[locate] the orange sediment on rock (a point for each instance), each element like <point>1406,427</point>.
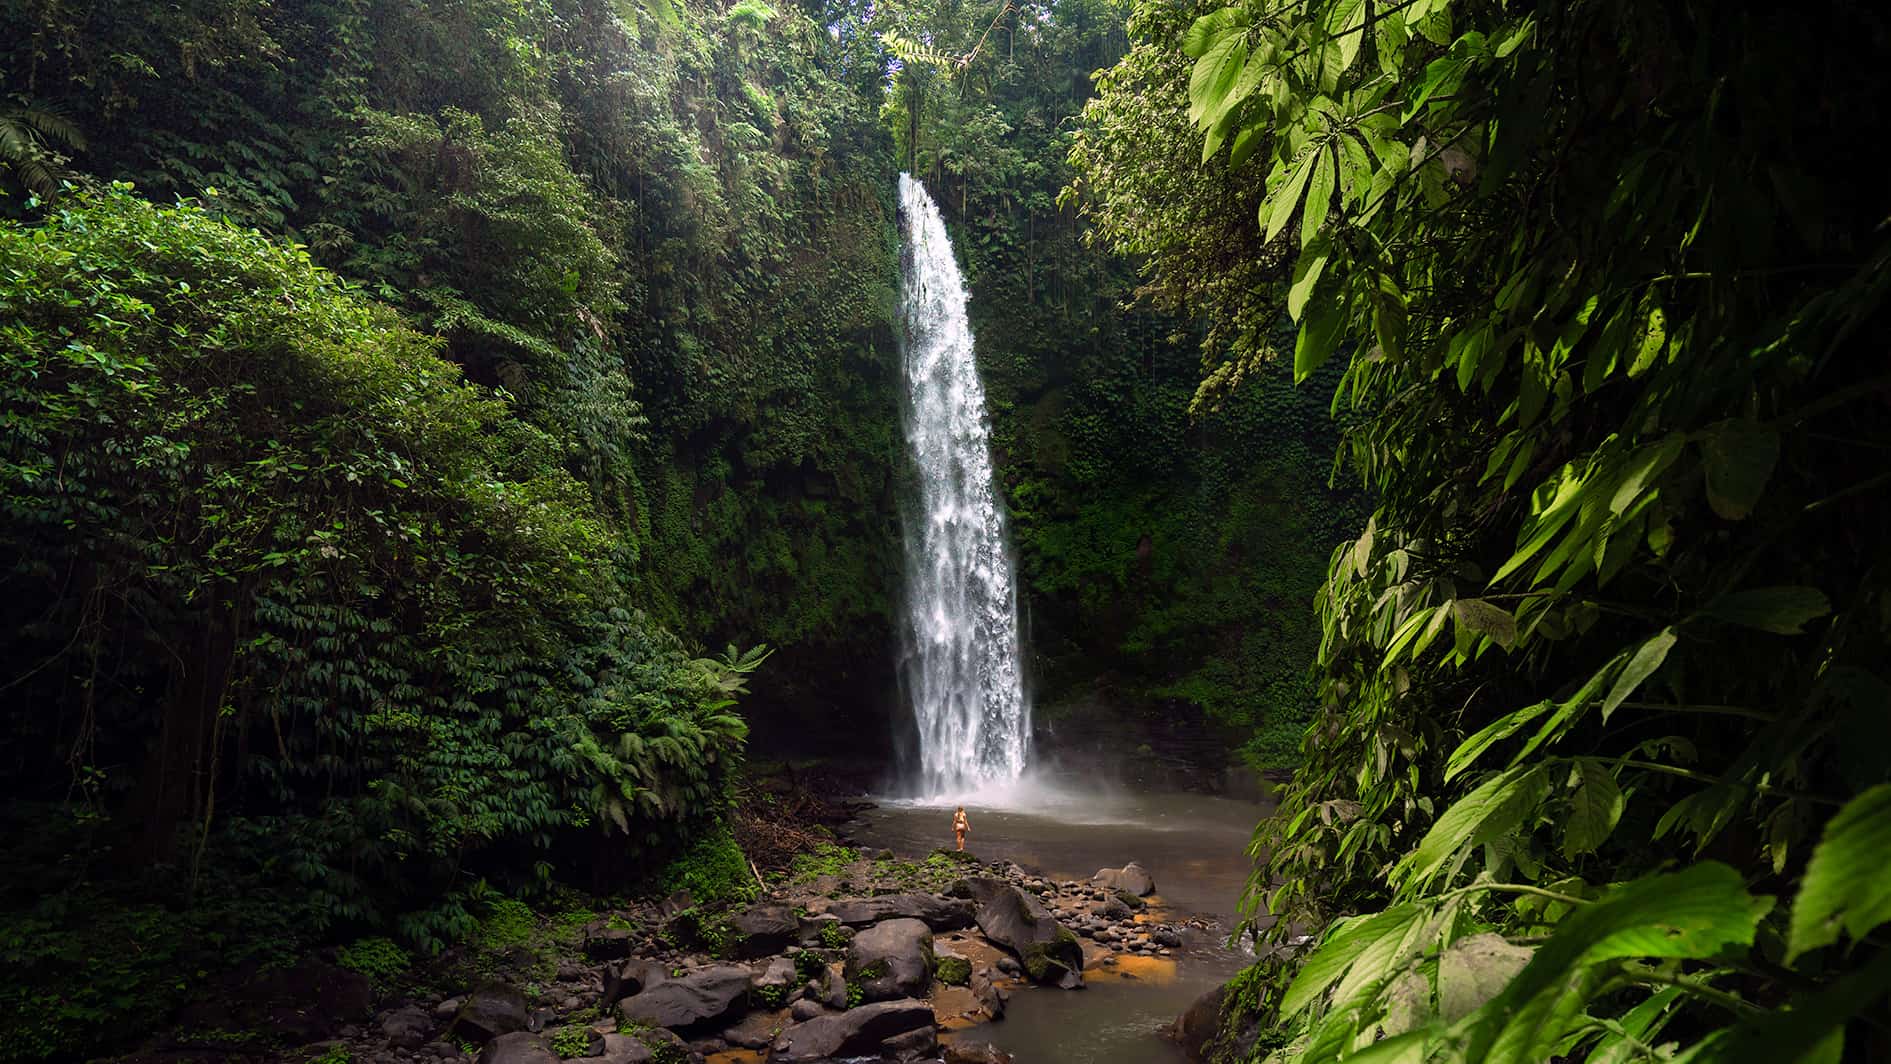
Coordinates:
<point>736,1056</point>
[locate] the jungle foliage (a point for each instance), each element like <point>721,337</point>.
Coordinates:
<point>664,230</point>
<point>292,603</point>
<point>1599,768</point>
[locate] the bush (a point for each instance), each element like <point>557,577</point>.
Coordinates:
<point>377,958</point>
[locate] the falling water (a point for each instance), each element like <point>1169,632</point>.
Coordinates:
<point>961,670</point>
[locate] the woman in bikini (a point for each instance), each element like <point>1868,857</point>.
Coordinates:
<point>960,826</point>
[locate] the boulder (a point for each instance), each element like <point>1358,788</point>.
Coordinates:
<point>1194,1029</point>
<point>408,1028</point>
<point>989,995</point>
<point>774,983</point>
<point>675,904</point>
<point>975,1053</point>
<point>855,1032</point>
<point>1132,878</point>
<point>814,929</point>
<point>605,943</point>
<point>921,1043</point>
<point>620,1049</point>
<point>710,997</point>
<point>762,930</point>
<point>631,977</point>
<point>487,1013</point>
<point>757,1030</point>
<point>805,1009</point>
<point>1019,922</point>
<point>940,914</point>
<point>518,1047</point>
<point>891,960</point>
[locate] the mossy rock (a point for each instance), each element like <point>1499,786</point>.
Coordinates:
<point>952,971</point>
<point>1058,961</point>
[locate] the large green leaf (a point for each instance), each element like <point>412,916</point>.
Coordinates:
<point>1496,807</point>
<point>1474,970</point>
<point>1319,198</point>
<point>1738,460</point>
<point>1307,270</point>
<point>1319,334</point>
<point>1215,76</point>
<point>1693,913</point>
<point>1496,731</point>
<point>1343,945</point>
<point>1276,211</point>
<point>1845,886</point>
<point>1784,610</point>
<point>1648,657</point>
<point>1594,808</point>
<point>1486,618</point>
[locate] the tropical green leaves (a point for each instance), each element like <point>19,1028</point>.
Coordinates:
<point>1619,589</point>
<point>1845,888</point>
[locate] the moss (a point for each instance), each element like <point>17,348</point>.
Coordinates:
<point>571,1040</point>
<point>952,971</point>
<point>1038,957</point>
<point>377,958</point>
<point>714,870</point>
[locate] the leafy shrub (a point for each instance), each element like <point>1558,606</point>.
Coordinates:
<point>713,870</point>
<point>571,1040</point>
<point>377,958</point>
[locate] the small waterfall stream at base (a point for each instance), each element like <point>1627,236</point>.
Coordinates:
<point>961,668</point>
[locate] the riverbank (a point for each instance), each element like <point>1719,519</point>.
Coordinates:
<point>875,944</point>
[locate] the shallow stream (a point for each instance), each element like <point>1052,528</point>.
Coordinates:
<point>1192,844</point>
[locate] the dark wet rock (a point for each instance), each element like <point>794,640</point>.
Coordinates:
<point>1115,908</point>
<point>1010,967</point>
<point>489,1012</point>
<point>975,1053</point>
<point>891,960</point>
<point>1132,878</point>
<point>307,1003</point>
<point>408,1028</point>
<point>774,985</point>
<point>448,1009</point>
<point>805,1009</point>
<point>675,904</point>
<point>758,1029</point>
<point>917,1044</point>
<point>518,1047</point>
<point>622,1049</point>
<point>631,977</point>
<point>813,928</point>
<point>1194,1029</point>
<point>990,996</point>
<point>1165,936</point>
<point>605,943</point>
<point>711,996</point>
<point>834,987</point>
<point>1019,922</point>
<point>855,1032</point>
<point>762,930</point>
<point>940,914</point>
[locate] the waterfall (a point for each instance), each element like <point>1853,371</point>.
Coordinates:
<point>961,669</point>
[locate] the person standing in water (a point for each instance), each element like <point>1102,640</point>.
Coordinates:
<point>960,826</point>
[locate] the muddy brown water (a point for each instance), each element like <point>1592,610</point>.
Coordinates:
<point>1193,845</point>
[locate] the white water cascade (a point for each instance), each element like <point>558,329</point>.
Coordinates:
<point>961,669</point>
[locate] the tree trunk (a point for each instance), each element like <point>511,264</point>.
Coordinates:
<point>175,780</point>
